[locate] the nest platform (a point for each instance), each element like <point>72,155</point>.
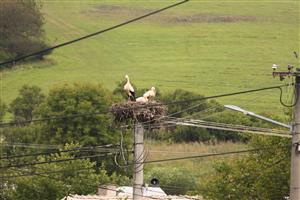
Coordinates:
<point>138,112</point>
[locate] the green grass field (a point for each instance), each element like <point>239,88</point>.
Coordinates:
<point>199,168</point>
<point>209,47</point>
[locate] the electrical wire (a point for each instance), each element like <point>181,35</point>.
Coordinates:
<point>209,155</point>
<point>194,121</point>
<point>90,35</point>
<point>147,124</point>
<point>169,115</point>
<point>47,146</point>
<point>142,106</point>
<point>51,118</point>
<point>173,122</point>
<point>286,105</point>
<point>80,149</point>
<point>53,161</point>
<point>32,145</point>
<point>45,172</point>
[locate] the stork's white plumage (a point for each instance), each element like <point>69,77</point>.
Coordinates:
<point>150,93</point>
<point>274,67</point>
<point>142,100</point>
<point>129,89</point>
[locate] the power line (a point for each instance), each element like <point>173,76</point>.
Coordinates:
<point>45,146</point>
<point>206,155</point>
<point>53,161</point>
<point>32,145</point>
<point>229,127</point>
<point>52,118</point>
<point>169,115</point>
<point>140,106</point>
<point>286,105</point>
<point>80,149</point>
<point>45,172</point>
<point>91,35</point>
<point>226,95</point>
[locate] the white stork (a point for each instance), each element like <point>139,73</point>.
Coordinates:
<point>150,93</point>
<point>142,100</point>
<point>129,89</point>
<point>274,67</point>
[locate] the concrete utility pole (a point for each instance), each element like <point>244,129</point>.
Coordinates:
<point>138,159</point>
<point>295,157</point>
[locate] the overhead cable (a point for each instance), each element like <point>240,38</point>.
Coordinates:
<point>41,52</point>
<point>139,106</point>
<point>53,161</point>
<point>43,173</point>
<point>207,155</point>
<point>79,149</point>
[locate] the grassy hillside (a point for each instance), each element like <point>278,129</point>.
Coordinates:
<point>199,169</point>
<point>209,47</point>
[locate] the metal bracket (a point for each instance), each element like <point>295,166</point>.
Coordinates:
<point>297,145</point>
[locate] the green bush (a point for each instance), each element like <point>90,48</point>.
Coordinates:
<point>79,98</point>
<point>190,134</point>
<point>173,181</point>
<point>261,175</point>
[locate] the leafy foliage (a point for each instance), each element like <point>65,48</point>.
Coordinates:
<point>172,180</point>
<point>77,99</point>
<point>3,109</point>
<point>29,99</point>
<point>182,95</point>
<point>190,134</point>
<point>262,175</point>
<point>74,177</point>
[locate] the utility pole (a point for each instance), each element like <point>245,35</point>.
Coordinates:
<point>295,156</point>
<point>138,159</point>
<point>295,130</point>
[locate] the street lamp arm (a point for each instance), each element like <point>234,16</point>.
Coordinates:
<point>236,108</point>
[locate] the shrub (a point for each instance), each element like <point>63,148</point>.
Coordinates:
<point>173,181</point>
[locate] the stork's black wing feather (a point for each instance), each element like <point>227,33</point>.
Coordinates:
<point>132,96</point>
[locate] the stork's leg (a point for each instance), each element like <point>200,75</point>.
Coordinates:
<point>131,98</point>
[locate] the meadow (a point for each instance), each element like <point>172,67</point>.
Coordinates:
<point>164,150</point>
<point>198,170</point>
<point>209,47</point>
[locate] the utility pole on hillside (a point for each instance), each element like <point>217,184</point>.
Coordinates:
<point>295,156</point>
<point>138,162</point>
<point>295,130</point>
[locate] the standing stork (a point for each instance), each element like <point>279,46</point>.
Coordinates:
<point>129,89</point>
<point>150,93</point>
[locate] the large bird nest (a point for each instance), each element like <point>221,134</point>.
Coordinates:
<point>129,111</point>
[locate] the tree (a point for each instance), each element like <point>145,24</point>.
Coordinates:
<point>182,95</point>
<point>29,99</point>
<point>2,110</point>
<point>81,99</point>
<point>20,28</point>
<point>262,175</point>
<point>174,181</point>
<point>74,177</point>
<point>190,134</point>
